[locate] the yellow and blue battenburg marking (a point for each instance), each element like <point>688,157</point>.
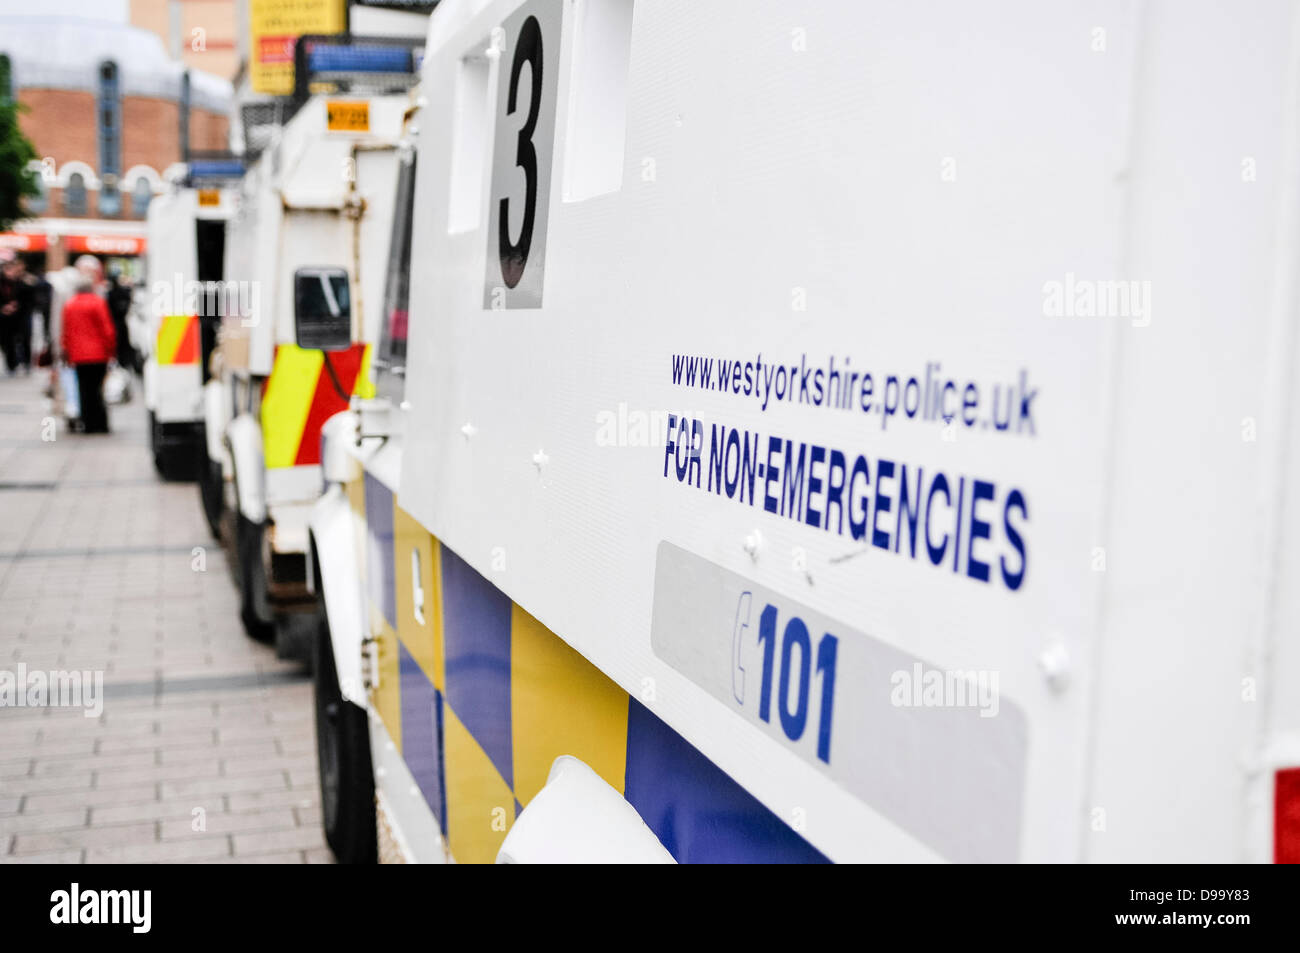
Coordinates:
<point>481,698</point>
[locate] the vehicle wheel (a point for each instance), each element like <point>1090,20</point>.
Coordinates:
<point>230,526</point>
<point>159,460</point>
<point>174,463</point>
<point>295,638</point>
<point>210,493</point>
<point>165,462</point>
<point>254,602</point>
<point>347,785</point>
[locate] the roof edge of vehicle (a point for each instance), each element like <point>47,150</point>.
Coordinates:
<point>348,57</point>
<point>203,172</point>
<point>213,170</point>
<point>326,57</point>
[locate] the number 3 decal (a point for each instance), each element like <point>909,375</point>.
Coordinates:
<point>514,256</point>
<point>521,161</point>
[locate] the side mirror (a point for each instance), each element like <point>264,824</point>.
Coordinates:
<point>322,309</point>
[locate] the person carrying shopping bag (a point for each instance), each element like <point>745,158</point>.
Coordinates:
<point>89,342</point>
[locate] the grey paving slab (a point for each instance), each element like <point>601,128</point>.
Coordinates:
<point>212,825</point>
<point>108,571</point>
<point>48,857</point>
<point>301,838</point>
<point>170,852</point>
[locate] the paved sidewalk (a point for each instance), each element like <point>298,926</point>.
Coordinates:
<point>205,747</point>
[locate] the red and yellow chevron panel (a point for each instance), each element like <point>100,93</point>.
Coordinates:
<point>178,339</point>
<point>299,397</point>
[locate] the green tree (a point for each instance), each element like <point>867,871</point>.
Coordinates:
<point>16,152</point>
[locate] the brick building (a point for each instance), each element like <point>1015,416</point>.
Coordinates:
<point>108,112</point>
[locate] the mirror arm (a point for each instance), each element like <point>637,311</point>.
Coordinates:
<point>334,377</point>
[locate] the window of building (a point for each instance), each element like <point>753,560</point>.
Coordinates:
<point>109,120</point>
<point>37,204</point>
<point>184,124</point>
<point>110,198</point>
<point>74,195</point>
<point>141,196</point>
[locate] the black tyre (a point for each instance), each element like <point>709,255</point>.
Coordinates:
<point>210,493</point>
<point>295,638</point>
<point>155,447</point>
<point>172,465</point>
<point>175,462</point>
<point>347,785</point>
<point>229,527</point>
<point>254,601</point>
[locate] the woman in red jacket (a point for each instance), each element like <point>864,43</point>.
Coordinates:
<point>89,342</point>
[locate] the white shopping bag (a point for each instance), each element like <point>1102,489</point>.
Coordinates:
<point>39,343</point>
<point>117,385</point>
<point>71,396</point>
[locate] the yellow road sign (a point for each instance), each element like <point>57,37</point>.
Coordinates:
<point>274,25</point>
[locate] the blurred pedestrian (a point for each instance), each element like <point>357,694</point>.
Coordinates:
<point>89,342</point>
<point>16,296</point>
<point>42,301</point>
<point>8,305</point>
<point>92,268</point>
<point>119,305</point>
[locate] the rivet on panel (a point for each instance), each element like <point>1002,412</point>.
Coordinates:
<point>1055,663</point>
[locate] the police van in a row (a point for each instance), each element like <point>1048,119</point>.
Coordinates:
<point>186,252</point>
<point>308,232</point>
<point>810,432</point>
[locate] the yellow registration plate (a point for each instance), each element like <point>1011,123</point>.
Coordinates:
<point>347,117</point>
